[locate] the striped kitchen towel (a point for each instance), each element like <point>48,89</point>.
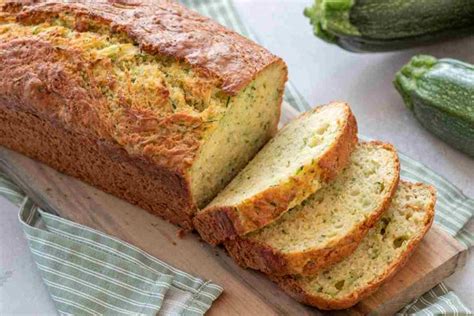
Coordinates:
<point>453,208</point>
<point>88,272</point>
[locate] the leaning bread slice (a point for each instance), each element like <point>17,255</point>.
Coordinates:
<point>330,224</point>
<point>384,250</point>
<point>307,152</point>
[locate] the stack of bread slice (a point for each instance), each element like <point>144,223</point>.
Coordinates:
<point>323,215</point>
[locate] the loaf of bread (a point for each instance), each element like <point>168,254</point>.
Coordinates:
<point>307,152</point>
<point>330,224</point>
<point>150,102</point>
<point>382,253</point>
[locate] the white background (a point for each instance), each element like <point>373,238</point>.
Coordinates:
<point>322,73</point>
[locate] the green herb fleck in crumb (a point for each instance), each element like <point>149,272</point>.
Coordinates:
<point>300,169</point>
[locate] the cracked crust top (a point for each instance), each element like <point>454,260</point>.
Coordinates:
<point>164,27</point>
<point>59,83</point>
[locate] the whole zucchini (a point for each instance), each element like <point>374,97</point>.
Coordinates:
<point>441,95</point>
<point>385,25</point>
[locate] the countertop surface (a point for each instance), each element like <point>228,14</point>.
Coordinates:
<point>322,73</point>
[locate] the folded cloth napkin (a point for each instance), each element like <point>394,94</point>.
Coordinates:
<point>453,208</point>
<point>88,272</point>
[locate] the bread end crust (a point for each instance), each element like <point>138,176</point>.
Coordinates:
<point>339,155</point>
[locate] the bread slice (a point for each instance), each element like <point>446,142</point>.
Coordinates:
<point>383,252</point>
<point>330,224</point>
<point>307,152</point>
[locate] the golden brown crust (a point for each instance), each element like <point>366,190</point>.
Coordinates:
<point>39,78</point>
<point>166,28</point>
<point>251,253</point>
<point>338,157</point>
<point>99,163</point>
<point>219,223</point>
<point>292,288</point>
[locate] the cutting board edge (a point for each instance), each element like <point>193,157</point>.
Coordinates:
<point>430,280</point>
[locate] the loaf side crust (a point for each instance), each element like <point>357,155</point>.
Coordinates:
<point>251,253</point>
<point>219,223</point>
<point>104,165</point>
<point>292,288</point>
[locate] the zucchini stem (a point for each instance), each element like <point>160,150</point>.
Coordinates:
<point>331,18</point>
<point>406,78</point>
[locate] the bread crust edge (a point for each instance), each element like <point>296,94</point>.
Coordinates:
<point>99,163</point>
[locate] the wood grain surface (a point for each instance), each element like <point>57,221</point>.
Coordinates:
<point>246,292</point>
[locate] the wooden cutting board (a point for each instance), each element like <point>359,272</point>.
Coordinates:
<point>246,292</point>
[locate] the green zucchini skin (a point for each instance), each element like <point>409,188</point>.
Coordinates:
<point>440,93</point>
<point>387,25</point>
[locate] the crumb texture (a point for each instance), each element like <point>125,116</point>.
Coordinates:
<point>292,152</point>
<point>341,207</point>
<point>386,244</point>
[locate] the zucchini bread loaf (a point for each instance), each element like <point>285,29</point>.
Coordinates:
<point>150,102</point>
